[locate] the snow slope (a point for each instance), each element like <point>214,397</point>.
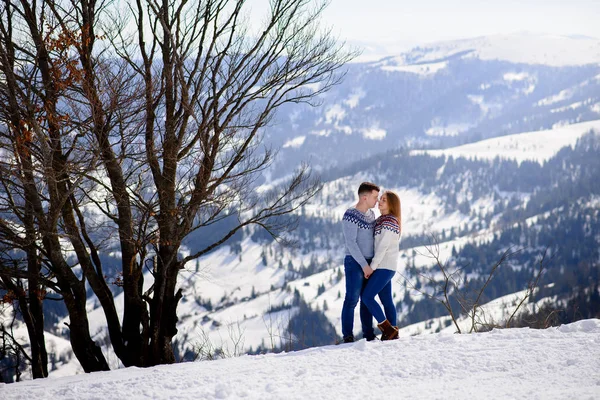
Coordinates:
<point>556,363</point>
<point>537,146</point>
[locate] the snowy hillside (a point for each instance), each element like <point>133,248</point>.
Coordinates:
<point>556,363</point>
<point>537,146</point>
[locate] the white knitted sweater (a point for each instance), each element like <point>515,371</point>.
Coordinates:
<point>387,242</point>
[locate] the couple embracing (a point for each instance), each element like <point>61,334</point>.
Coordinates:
<point>372,248</point>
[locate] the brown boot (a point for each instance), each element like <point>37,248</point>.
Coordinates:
<point>389,332</point>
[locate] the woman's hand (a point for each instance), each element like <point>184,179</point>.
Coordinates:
<point>368,271</point>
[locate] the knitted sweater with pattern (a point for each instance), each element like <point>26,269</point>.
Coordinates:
<point>387,240</point>
<point>358,234</point>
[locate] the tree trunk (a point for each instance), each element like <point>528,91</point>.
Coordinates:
<point>164,307</point>
<point>35,325</point>
<point>135,315</point>
<point>39,355</point>
<point>34,320</point>
<point>88,353</point>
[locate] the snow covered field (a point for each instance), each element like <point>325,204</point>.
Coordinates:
<point>556,363</point>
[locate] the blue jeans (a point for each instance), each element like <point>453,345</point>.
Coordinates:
<point>380,283</point>
<point>355,283</point>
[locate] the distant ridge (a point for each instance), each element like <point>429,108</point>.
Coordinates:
<point>522,47</point>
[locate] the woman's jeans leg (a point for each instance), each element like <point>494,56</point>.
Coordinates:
<point>355,282</point>
<point>380,280</point>
<point>385,296</point>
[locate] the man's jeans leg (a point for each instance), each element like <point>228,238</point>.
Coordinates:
<point>366,318</point>
<point>354,284</point>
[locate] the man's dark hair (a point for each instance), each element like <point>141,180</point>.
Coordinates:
<point>367,187</point>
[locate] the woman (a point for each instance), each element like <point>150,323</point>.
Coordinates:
<point>387,238</point>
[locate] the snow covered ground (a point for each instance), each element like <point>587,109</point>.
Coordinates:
<point>556,363</point>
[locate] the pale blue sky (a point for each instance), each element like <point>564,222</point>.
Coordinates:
<point>420,21</point>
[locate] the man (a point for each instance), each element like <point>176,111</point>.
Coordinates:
<point>358,224</point>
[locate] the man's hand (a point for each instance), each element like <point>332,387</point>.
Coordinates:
<point>368,271</point>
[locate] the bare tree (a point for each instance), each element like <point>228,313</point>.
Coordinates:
<point>532,285</point>
<point>442,289</point>
<point>152,114</point>
<point>470,298</point>
<point>41,150</point>
<point>448,285</point>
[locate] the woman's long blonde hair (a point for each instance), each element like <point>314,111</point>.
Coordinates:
<point>394,206</point>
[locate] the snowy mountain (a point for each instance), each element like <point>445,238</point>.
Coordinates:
<point>487,153</point>
<point>510,363</point>
<point>445,94</point>
<point>518,48</point>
